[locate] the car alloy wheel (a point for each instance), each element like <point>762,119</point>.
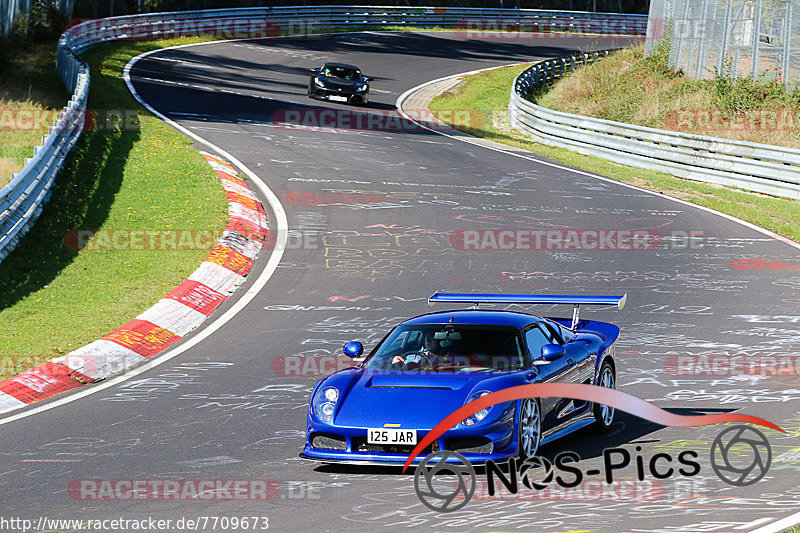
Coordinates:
<point>530,427</point>
<point>603,414</point>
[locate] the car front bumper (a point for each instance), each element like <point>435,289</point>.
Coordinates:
<point>331,456</point>
<point>318,92</point>
<point>497,441</point>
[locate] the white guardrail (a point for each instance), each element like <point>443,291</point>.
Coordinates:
<point>21,200</point>
<point>763,168</point>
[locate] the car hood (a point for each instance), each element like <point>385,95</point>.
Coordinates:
<point>416,400</point>
<point>339,82</point>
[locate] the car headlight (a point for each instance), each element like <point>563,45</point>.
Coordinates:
<point>318,83</point>
<point>361,88</point>
<point>325,403</point>
<point>480,415</point>
<point>331,394</point>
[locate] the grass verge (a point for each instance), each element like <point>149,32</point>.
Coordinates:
<point>487,94</point>
<point>54,299</point>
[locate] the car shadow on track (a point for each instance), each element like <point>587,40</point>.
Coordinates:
<point>377,117</point>
<point>447,45</point>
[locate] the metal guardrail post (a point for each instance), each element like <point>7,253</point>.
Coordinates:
<point>672,60</point>
<point>678,32</point>
<point>723,51</point>
<point>787,42</point>
<point>701,29</point>
<point>756,40</point>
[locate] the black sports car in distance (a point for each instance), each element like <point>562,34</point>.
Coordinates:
<point>339,82</point>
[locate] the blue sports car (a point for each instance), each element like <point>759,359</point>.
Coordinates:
<point>429,366</point>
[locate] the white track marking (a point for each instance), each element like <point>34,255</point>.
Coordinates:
<point>779,525</point>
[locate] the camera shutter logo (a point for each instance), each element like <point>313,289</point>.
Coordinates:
<point>728,453</point>
<point>430,496</point>
<point>530,465</point>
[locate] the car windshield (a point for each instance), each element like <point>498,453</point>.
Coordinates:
<point>341,72</point>
<point>448,348</point>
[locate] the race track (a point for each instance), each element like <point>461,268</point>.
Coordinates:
<point>370,214</point>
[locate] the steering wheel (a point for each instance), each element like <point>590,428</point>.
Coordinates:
<point>426,356</point>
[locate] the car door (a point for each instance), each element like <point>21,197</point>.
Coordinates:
<point>579,352</point>
<point>582,353</point>
<point>561,370</point>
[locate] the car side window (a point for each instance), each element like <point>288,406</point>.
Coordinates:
<point>535,338</point>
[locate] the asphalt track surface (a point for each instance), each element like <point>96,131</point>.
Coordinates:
<point>223,410</point>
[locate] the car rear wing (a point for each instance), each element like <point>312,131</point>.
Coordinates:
<point>575,300</point>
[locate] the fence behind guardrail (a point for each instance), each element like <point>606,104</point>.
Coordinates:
<point>739,37</point>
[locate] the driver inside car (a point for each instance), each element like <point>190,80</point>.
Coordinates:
<point>429,348</point>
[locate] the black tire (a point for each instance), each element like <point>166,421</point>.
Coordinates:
<point>535,434</point>
<point>604,415</point>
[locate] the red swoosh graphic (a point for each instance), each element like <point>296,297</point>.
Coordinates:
<point>590,393</point>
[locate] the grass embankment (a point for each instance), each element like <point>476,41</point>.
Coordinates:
<point>31,96</point>
<point>487,93</point>
<point>627,87</point>
<point>146,177</point>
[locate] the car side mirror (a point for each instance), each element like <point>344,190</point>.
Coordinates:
<point>314,70</point>
<point>367,78</point>
<point>353,349</point>
<point>552,352</point>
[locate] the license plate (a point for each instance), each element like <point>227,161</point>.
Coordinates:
<point>338,98</point>
<point>391,436</point>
